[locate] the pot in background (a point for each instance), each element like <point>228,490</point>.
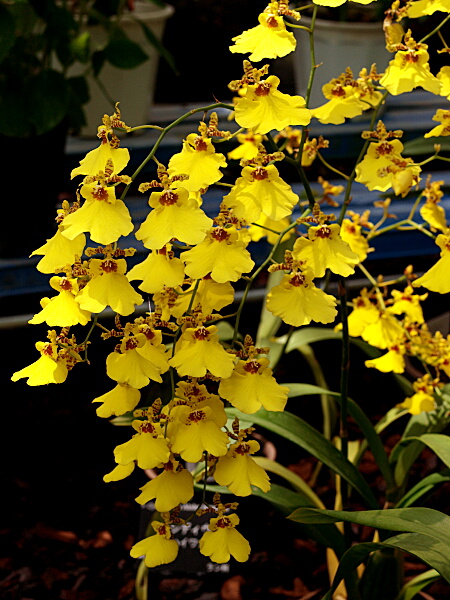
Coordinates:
<point>337,45</point>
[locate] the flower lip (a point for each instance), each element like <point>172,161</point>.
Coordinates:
<point>168,198</point>
<point>263,89</point>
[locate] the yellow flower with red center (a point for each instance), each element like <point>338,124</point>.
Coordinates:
<point>102,215</point>
<point>197,429</point>
<point>223,540</point>
<point>343,101</point>
<point>174,215</point>
<point>62,310</point>
<point>158,549</point>
<point>160,268</point>
<point>422,400</point>
<point>269,39</point>
<point>199,350</point>
<point>383,332</point>
<point>123,398</point>
<point>261,190</point>
<point>264,108</point>
<point>200,160</point>
<point>325,249</point>
<point>437,278</point>
<point>49,368</point>
<point>148,447</point>
<point>297,301</point>
<point>97,159</point>
<point>431,212</point>
<point>363,314</point>
<point>138,360</point>
<point>391,362</point>
<point>238,471</point>
<point>248,146</point>
<point>251,385</point>
<point>407,303</point>
<point>351,233</point>
<point>384,167</point>
<point>410,69</point>
<point>222,255</point>
<point>443,117</point>
<point>108,287</point>
<point>173,486</point>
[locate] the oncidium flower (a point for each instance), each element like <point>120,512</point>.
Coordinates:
<point>269,39</point>
<point>200,160</point>
<point>158,549</point>
<point>410,69</point>
<point>223,540</point>
<point>325,249</point>
<point>238,471</point>
<point>173,486</point>
<point>297,301</point>
<point>443,117</point>
<point>423,400</point>
<point>264,108</point>
<point>199,350</point>
<point>222,254</point>
<point>63,310</point>
<point>252,385</point>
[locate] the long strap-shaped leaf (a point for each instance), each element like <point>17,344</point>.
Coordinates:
<point>302,434</point>
<point>438,442</point>
<point>366,427</point>
<point>428,549</point>
<point>424,521</point>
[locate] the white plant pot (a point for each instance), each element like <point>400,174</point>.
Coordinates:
<point>337,45</point>
<point>133,88</point>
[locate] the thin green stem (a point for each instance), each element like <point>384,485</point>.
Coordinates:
<point>375,286</point>
<point>331,168</point>
<point>345,367</point>
<point>436,29</point>
<point>166,130</point>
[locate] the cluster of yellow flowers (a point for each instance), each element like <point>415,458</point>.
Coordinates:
<point>194,259</point>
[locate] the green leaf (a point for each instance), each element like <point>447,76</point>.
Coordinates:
<point>416,427</point>
<point>299,484</point>
<point>308,335</point>
<point>124,53</point>
<point>7,32</point>
<point>371,436</point>
<point>416,584</point>
<point>423,487</point>
<point>432,552</point>
<point>426,146</point>
<point>302,434</point>
<point>424,521</point>
<point>225,330</point>
<point>439,443</point>
<point>80,46</point>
